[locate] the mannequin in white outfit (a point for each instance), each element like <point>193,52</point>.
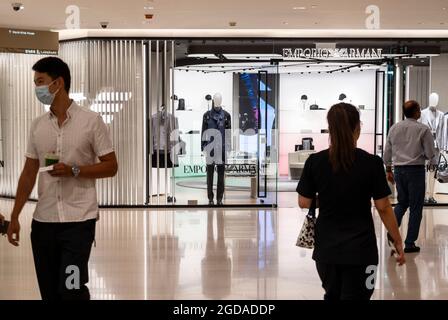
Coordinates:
<point>433,118</point>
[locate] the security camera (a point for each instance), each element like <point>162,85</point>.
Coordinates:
<point>17,6</point>
<point>104,24</point>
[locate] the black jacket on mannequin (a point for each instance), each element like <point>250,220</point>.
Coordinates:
<point>217,120</point>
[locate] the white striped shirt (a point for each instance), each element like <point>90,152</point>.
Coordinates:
<point>409,143</point>
<point>81,139</point>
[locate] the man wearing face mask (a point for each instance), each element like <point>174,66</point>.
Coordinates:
<point>63,227</point>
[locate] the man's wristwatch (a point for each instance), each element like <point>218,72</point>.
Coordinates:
<point>75,171</point>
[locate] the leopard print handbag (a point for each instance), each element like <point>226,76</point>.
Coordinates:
<point>306,235</point>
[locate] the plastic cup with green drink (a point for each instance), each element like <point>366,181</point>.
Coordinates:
<point>51,159</point>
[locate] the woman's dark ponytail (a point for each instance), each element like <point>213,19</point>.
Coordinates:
<point>343,120</point>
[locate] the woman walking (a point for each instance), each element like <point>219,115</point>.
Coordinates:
<point>343,179</point>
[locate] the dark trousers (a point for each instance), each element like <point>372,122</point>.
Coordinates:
<point>220,168</point>
<point>61,254</point>
<point>410,182</point>
<point>345,282</point>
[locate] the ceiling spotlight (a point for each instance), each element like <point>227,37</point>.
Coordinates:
<point>232,24</point>
<point>148,7</point>
<point>285,23</point>
<point>299,8</point>
<point>149,16</point>
<point>313,6</point>
<point>17,6</point>
<point>104,24</point>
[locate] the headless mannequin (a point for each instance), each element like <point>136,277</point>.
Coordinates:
<point>162,125</point>
<point>432,122</point>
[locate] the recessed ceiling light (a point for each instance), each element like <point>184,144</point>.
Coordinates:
<point>148,7</point>
<point>299,8</point>
<point>313,6</point>
<point>443,8</point>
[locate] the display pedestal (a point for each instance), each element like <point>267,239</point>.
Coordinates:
<point>253,187</point>
<point>161,190</point>
<point>296,163</point>
<point>441,188</point>
<point>430,184</point>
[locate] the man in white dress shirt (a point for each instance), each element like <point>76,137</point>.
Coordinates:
<point>63,227</point>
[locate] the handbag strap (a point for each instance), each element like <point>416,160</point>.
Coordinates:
<point>312,209</point>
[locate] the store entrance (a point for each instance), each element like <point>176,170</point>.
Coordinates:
<point>307,90</point>
<point>236,130</point>
<point>247,101</point>
<point>278,111</point>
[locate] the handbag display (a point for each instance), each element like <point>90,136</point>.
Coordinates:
<point>442,169</point>
<point>306,235</point>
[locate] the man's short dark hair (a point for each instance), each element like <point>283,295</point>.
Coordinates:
<point>410,108</point>
<point>55,68</point>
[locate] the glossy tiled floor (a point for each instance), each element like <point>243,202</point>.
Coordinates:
<point>221,254</point>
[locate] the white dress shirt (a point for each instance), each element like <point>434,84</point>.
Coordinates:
<point>434,120</point>
<point>444,139</point>
<point>81,139</point>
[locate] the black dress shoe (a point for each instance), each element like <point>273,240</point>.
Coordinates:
<point>219,203</point>
<point>412,249</point>
<point>211,203</point>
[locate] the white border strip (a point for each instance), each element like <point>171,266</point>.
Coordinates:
<point>69,34</point>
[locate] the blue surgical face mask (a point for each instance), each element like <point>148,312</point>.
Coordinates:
<point>44,95</point>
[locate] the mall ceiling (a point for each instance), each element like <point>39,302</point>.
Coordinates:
<point>213,14</point>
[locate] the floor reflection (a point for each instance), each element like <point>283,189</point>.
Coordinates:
<point>222,254</point>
